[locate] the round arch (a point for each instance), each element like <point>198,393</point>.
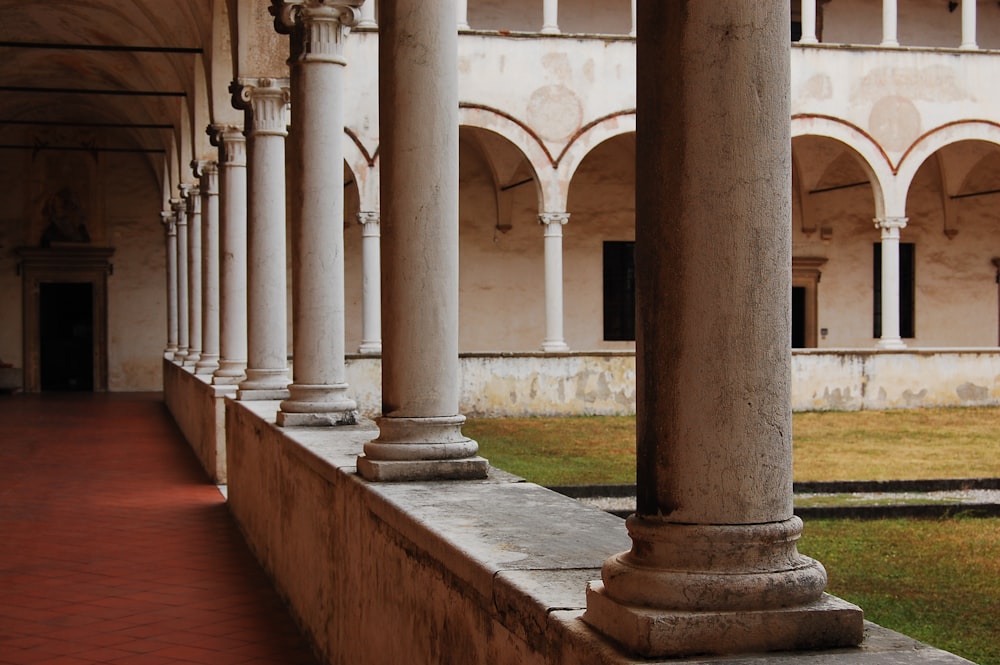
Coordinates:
<point>936,139</point>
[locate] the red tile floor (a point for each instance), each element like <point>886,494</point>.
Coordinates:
<point>115,548</point>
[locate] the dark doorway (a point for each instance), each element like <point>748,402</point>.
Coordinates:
<point>66,335</point>
<point>798,317</point>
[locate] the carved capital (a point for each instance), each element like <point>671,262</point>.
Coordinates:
<point>267,100</point>
<point>209,178</point>
<point>194,200</point>
<point>317,27</point>
<point>169,221</point>
<point>547,218</point>
<point>890,226</point>
<point>369,220</point>
<point>179,207</point>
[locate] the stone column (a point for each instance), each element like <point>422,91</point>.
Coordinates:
<point>969,25</point>
<point>462,12</point>
<point>371,287</point>
<point>267,298</point>
<point>713,566</point>
<point>554,337</point>
<point>180,214</point>
<point>367,19</point>
<point>233,257</point>
<point>550,17</point>
<point>193,196</point>
<point>170,235</point>
<point>420,431</point>
<point>208,172</point>
<point>318,393</point>
<point>890,227</point>
<point>889,17</point>
<point>808,22</point>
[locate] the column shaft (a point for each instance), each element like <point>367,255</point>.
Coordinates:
<point>233,258</point>
<point>183,330</point>
<point>367,19</point>
<point>462,14</point>
<point>193,196</point>
<point>420,431</point>
<point>550,17</point>
<point>969,25</point>
<point>209,360</point>
<point>267,298</point>
<point>808,22</point>
<point>714,532</point>
<point>890,227</point>
<point>371,284</point>
<point>170,235</point>
<point>318,393</point>
<point>889,18</point>
<point>553,223</point>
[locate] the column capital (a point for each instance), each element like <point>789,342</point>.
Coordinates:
<point>267,99</point>
<point>179,207</point>
<point>208,173</point>
<point>370,221</point>
<point>169,221</point>
<point>193,200</point>
<point>317,27</point>
<point>547,218</point>
<point>890,226</point>
<point>232,143</point>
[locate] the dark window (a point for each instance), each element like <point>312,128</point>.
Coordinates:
<point>619,291</point>
<point>906,289</point>
<point>796,31</point>
<point>798,317</point>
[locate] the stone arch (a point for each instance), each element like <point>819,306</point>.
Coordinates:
<point>592,135</point>
<point>873,158</point>
<point>936,139</point>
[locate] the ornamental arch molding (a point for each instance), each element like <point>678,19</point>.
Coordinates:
<point>936,139</point>
<point>873,159</point>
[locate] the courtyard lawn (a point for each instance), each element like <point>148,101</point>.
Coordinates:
<point>937,581</point>
<point>859,445</point>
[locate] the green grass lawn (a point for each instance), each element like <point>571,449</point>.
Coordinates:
<point>937,581</point>
<point>859,445</point>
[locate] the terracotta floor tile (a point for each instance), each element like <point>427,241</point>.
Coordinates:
<point>117,549</point>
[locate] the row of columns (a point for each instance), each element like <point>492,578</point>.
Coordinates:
<point>890,16</point>
<point>714,566</point>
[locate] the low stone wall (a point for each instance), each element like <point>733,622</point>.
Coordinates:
<point>491,571</point>
<point>198,408</point>
<point>603,383</point>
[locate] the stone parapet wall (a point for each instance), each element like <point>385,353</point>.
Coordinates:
<point>603,383</point>
<point>198,408</point>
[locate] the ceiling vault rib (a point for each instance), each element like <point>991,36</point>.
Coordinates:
<point>76,148</point>
<point>92,91</point>
<point>103,125</point>
<point>103,47</point>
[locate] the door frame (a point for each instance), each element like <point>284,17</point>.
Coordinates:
<point>69,263</point>
<point>806,273</point>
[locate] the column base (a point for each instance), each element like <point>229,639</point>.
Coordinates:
<point>470,468</point>
<point>555,346</point>
<point>429,448</point>
<point>825,623</point>
<point>370,348</point>
<point>207,364</point>
<point>191,359</point>
<point>263,384</point>
<point>890,343</point>
<point>317,406</point>
<point>230,373</point>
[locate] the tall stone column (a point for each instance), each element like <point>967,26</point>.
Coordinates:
<point>233,257</point>
<point>208,172</point>
<point>550,17</point>
<point>889,19</point>
<point>193,196</point>
<point>420,431</point>
<point>318,393</point>
<point>371,284</point>
<point>890,227</point>
<point>170,236</point>
<point>808,22</point>
<point>969,25</point>
<point>267,298</point>
<point>553,222</point>
<point>180,214</point>
<point>713,566</point>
